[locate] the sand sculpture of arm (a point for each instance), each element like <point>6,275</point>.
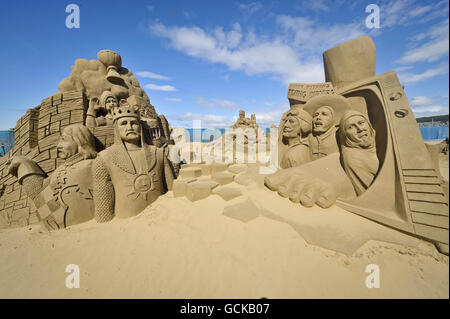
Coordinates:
<point>103,192</point>
<point>91,114</point>
<point>29,175</point>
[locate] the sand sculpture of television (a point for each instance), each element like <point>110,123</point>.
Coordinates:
<point>98,135</point>
<point>353,141</point>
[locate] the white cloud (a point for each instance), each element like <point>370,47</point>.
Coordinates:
<point>426,106</point>
<point>431,110</point>
<point>207,120</point>
<point>411,77</point>
<point>251,7</point>
<point>430,51</point>
<point>267,117</point>
<point>290,57</point>
<point>406,12</point>
<point>314,38</point>
<point>151,75</point>
<point>435,48</point>
<point>216,103</point>
<point>173,99</point>
<point>419,101</point>
<point>167,88</point>
<point>316,5</point>
<point>403,68</point>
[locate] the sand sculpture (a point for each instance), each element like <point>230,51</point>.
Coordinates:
<point>348,142</point>
<point>245,122</point>
<point>358,150</point>
<point>295,128</point>
<point>129,175</point>
<point>48,176</point>
<point>64,198</point>
<point>365,145</point>
<point>245,128</point>
<point>99,112</point>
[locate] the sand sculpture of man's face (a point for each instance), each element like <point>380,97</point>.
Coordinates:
<point>129,129</point>
<point>357,129</point>
<point>323,120</point>
<point>66,147</point>
<point>110,103</point>
<point>292,127</point>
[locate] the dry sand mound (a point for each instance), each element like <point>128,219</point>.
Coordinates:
<point>253,245</point>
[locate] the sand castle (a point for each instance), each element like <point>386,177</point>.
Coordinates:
<point>49,176</point>
<point>347,142</point>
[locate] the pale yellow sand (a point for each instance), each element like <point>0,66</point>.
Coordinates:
<point>179,249</point>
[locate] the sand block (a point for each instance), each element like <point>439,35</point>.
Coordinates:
<point>243,179</point>
<point>226,192</point>
<point>242,209</point>
<point>218,167</point>
<point>237,168</point>
<point>190,172</point>
<point>179,187</point>
<point>199,190</point>
<point>206,169</point>
<point>222,177</point>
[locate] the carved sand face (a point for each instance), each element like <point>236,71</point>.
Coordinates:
<point>292,127</point>
<point>357,130</point>
<point>66,147</point>
<point>129,129</point>
<point>110,103</point>
<point>322,120</point>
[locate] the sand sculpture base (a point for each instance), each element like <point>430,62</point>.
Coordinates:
<point>239,241</point>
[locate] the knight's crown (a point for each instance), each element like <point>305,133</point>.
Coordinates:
<point>125,110</point>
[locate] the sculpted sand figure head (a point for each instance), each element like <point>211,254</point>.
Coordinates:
<point>129,129</point>
<point>75,139</point>
<point>108,101</point>
<point>357,131</point>
<point>358,149</point>
<point>323,119</point>
<point>298,124</point>
<point>127,124</point>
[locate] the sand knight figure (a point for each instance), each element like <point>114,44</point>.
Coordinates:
<point>129,175</point>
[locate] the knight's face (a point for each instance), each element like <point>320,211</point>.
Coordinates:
<point>322,120</point>
<point>110,103</point>
<point>129,129</point>
<point>292,127</point>
<point>66,147</point>
<point>357,130</point>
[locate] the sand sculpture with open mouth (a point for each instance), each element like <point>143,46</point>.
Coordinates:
<point>347,142</point>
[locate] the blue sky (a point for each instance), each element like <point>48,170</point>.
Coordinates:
<point>208,59</point>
